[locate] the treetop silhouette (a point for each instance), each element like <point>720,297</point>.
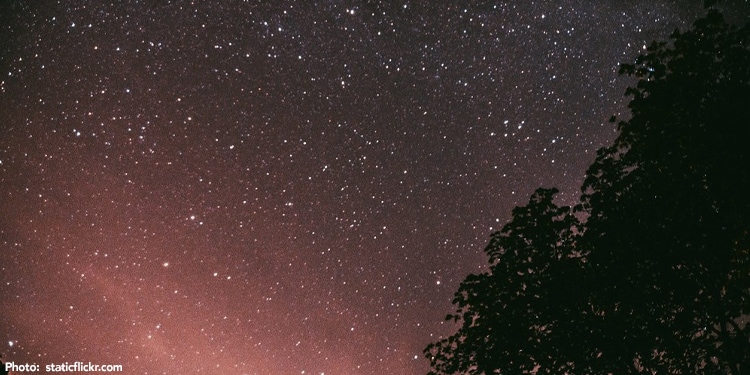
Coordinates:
<point>651,271</point>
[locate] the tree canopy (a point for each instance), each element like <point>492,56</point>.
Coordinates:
<point>650,273</point>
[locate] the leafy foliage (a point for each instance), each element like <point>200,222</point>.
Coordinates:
<point>656,276</point>
<point>519,304</point>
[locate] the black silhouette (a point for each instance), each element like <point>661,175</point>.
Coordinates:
<point>650,273</point>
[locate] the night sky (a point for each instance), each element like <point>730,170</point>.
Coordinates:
<point>240,188</point>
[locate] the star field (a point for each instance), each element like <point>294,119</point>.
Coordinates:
<point>286,187</point>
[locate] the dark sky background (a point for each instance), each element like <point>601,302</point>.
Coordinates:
<point>286,187</point>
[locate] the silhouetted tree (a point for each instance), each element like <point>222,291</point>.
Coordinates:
<point>511,314</point>
<point>655,277</point>
<point>668,206</point>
